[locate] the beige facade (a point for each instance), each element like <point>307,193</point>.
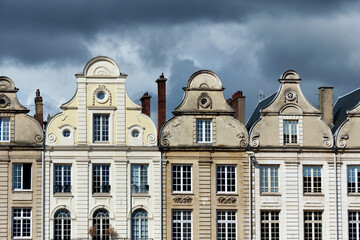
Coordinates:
<point>293,167</point>
<point>20,166</point>
<point>204,165</point>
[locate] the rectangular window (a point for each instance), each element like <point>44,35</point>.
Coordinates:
<point>312,225</point>
<point>22,176</point>
<point>181,178</point>
<point>4,129</point>
<point>139,176</point>
<point>226,225</point>
<point>225,179</point>
<point>101,178</point>
<point>62,178</point>
<point>270,225</point>
<point>203,131</point>
<point>290,131</point>
<point>312,179</point>
<point>21,223</point>
<point>181,225</point>
<point>101,128</point>
<point>354,179</point>
<point>269,179</point>
<point>354,225</point>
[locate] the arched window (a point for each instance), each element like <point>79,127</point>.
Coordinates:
<point>101,223</point>
<point>62,225</point>
<point>140,224</point>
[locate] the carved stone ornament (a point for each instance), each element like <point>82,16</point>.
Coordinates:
<point>38,138</point>
<point>101,71</point>
<point>204,101</point>
<point>342,142</point>
<point>328,143</point>
<point>106,95</point>
<point>4,101</point>
<point>151,138</point>
<point>243,142</point>
<point>290,95</point>
<point>165,139</point>
<point>183,199</point>
<point>51,137</point>
<point>227,200</point>
<point>255,140</point>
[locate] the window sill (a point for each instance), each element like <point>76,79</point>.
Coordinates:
<point>353,194</point>
<point>101,195</point>
<point>182,193</point>
<point>227,194</point>
<point>63,195</point>
<point>22,191</point>
<point>141,194</point>
<point>270,194</point>
<point>313,194</point>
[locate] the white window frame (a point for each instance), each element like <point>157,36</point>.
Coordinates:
<point>62,176</point>
<point>21,218</point>
<point>182,222</point>
<point>21,177</point>
<point>138,223</point>
<point>270,188</point>
<point>312,228</point>
<point>140,186</point>
<point>101,176</point>
<point>356,171</point>
<point>4,135</point>
<point>181,178</point>
<point>228,224</point>
<point>312,177</point>
<point>226,178</point>
<point>356,222</point>
<point>65,216</point>
<point>201,138</point>
<point>270,224</point>
<point>111,125</point>
<point>291,129</point>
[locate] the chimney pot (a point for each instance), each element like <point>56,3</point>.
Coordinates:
<point>237,102</point>
<point>39,108</point>
<point>145,103</point>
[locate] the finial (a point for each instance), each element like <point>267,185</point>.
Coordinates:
<point>162,75</point>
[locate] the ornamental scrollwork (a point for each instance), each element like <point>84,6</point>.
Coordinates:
<point>290,95</point>
<point>151,138</point>
<point>255,142</point>
<point>165,139</point>
<point>4,101</point>
<point>38,138</point>
<point>343,142</point>
<point>243,142</point>
<point>328,143</point>
<point>51,138</point>
<point>183,199</point>
<point>204,101</point>
<point>227,200</point>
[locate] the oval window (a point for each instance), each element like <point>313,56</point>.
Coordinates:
<point>135,133</point>
<point>66,133</point>
<point>100,95</point>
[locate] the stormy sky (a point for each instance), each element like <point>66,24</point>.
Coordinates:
<point>249,44</point>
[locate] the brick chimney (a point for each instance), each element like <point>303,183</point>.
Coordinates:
<point>145,103</point>
<point>326,102</point>
<point>237,102</point>
<point>39,108</point>
<point>161,82</point>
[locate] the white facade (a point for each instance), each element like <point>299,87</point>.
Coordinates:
<point>103,138</point>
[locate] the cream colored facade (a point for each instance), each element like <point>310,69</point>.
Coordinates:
<point>20,150</point>
<point>292,146</point>
<point>193,155</point>
<point>101,127</point>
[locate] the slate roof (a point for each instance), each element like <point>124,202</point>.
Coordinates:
<point>342,105</point>
<point>256,114</point>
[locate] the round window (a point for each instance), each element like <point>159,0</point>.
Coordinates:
<point>135,133</point>
<point>66,133</point>
<point>2,101</point>
<point>100,95</point>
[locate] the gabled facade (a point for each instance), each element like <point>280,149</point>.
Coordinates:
<point>204,166</point>
<point>348,153</point>
<point>293,166</point>
<point>102,163</point>
<point>21,141</point>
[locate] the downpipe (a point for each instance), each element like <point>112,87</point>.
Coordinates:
<point>250,155</point>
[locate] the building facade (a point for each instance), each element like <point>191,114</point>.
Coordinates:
<point>293,169</point>
<point>102,173</point>
<point>204,166</point>
<point>21,141</point>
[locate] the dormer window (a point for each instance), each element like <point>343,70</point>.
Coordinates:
<point>290,132</point>
<point>101,128</point>
<point>4,129</point>
<point>203,131</point>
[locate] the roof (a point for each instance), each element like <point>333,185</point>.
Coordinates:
<point>343,105</point>
<point>256,114</point>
